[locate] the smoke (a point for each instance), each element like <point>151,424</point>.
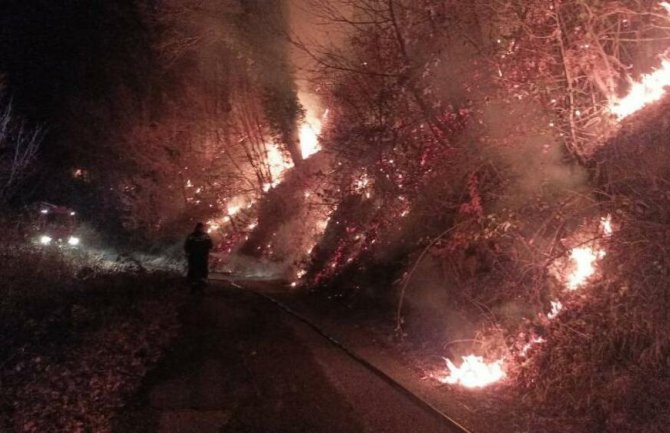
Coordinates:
<point>313,31</point>
<point>210,42</point>
<point>264,28</point>
<point>510,135</point>
<point>520,144</point>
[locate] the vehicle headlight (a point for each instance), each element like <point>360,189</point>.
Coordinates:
<point>45,240</point>
<point>74,241</point>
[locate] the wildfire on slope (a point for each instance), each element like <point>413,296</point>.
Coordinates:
<point>575,272</point>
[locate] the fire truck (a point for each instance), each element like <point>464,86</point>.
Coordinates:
<point>55,225</point>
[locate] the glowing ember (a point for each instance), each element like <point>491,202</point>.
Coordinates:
<point>363,185</point>
<point>474,372</point>
<point>584,259</point>
<point>649,89</point>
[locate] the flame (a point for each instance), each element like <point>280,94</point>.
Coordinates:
<point>232,210</point>
<point>309,138</point>
<point>277,163</point>
<point>310,129</point>
<point>649,89</point>
<point>606,225</point>
<point>237,203</point>
<point>474,372</point>
<point>556,307</point>
<point>584,259</point>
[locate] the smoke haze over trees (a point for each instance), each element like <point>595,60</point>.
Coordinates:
<point>459,166</point>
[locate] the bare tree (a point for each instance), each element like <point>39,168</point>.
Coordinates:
<point>18,148</point>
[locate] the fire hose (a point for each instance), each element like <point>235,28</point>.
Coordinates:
<point>427,406</point>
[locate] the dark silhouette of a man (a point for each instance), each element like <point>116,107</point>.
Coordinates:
<point>197,247</point>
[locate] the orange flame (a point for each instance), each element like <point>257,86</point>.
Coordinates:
<point>649,89</point>
<point>474,372</point>
<point>584,259</point>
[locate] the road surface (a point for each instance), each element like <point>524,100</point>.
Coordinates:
<point>244,365</point>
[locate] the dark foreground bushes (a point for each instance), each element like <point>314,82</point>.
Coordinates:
<point>76,337</point>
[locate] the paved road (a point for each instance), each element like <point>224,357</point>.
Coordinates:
<point>243,365</point>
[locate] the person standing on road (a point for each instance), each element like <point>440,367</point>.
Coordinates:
<point>197,247</point>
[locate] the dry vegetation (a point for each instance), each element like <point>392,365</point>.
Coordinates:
<point>605,367</point>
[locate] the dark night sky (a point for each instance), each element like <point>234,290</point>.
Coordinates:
<point>60,57</point>
<point>52,51</point>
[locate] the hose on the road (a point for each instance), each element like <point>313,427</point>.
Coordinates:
<point>458,428</point>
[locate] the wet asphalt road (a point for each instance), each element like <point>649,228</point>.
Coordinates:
<point>243,365</point>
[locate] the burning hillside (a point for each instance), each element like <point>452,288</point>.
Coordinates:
<point>492,173</point>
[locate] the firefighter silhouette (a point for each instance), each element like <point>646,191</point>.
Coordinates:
<point>197,247</point>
